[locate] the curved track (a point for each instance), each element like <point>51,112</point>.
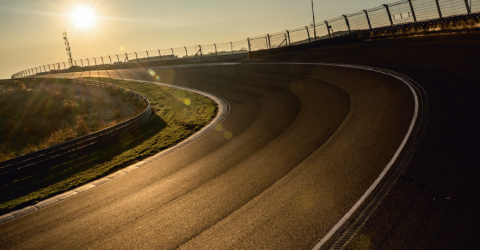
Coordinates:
<point>307,142</point>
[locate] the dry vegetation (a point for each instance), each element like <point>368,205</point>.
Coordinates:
<point>42,113</point>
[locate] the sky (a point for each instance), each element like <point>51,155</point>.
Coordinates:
<point>32,29</point>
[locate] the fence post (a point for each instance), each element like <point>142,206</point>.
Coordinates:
<point>49,67</point>
<point>186,53</point>
<point>308,33</point>
<point>328,28</point>
<point>201,53</point>
<point>231,47</point>
<point>95,60</point>
<point>136,56</point>
<point>216,54</point>
<point>173,54</point>
<point>118,59</point>
<point>286,41</point>
<point>249,46</point>
<point>289,42</point>
<point>102,60</point>
<point>160,54</point>
<point>368,19</point>
<point>388,12</point>
<point>64,65</point>
<point>126,58</point>
<point>266,42</point>
<point>438,7</point>
<point>314,29</point>
<point>44,68</point>
<point>110,59</point>
<point>148,55</point>
<point>269,43</point>
<point>348,24</point>
<point>58,64</point>
<point>469,11</point>
<point>413,12</point>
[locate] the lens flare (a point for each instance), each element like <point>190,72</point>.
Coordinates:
<point>187,101</point>
<point>228,135</point>
<point>218,127</point>
<point>157,78</point>
<point>151,72</point>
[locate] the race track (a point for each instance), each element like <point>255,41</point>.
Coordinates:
<point>307,142</point>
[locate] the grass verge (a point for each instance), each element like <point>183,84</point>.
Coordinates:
<point>177,115</point>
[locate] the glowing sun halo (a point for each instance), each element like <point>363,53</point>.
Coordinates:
<point>83,17</point>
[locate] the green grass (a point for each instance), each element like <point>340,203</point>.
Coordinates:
<point>178,114</point>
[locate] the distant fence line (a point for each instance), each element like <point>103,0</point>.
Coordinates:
<point>79,146</point>
<point>401,12</point>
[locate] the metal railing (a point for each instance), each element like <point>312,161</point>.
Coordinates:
<point>401,12</point>
<point>73,148</point>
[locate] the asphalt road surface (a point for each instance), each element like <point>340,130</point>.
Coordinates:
<point>307,142</point>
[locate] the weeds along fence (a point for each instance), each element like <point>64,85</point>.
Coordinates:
<point>392,14</point>
<point>77,147</point>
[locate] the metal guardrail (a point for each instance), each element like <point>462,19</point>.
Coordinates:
<point>401,12</point>
<point>75,147</point>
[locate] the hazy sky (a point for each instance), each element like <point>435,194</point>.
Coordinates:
<point>31,30</point>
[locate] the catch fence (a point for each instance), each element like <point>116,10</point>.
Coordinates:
<point>397,13</point>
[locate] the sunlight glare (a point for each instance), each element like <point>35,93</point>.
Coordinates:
<point>83,17</point>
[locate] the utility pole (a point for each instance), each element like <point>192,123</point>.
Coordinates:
<point>314,29</point>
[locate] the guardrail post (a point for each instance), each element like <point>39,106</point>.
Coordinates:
<point>413,12</point>
<point>469,11</point>
<point>249,46</point>
<point>231,47</point>
<point>438,8</point>
<point>216,54</point>
<point>389,16</point>
<point>328,28</point>
<point>148,55</point>
<point>368,19</point>
<point>348,25</point>
<point>288,34</point>
<point>308,33</point>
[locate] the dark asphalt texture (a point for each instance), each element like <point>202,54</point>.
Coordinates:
<point>436,202</point>
<point>307,142</point>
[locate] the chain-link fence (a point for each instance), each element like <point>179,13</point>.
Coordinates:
<point>401,12</point>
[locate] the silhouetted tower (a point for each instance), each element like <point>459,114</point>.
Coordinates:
<point>67,47</point>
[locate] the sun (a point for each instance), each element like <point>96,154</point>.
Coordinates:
<point>83,17</point>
